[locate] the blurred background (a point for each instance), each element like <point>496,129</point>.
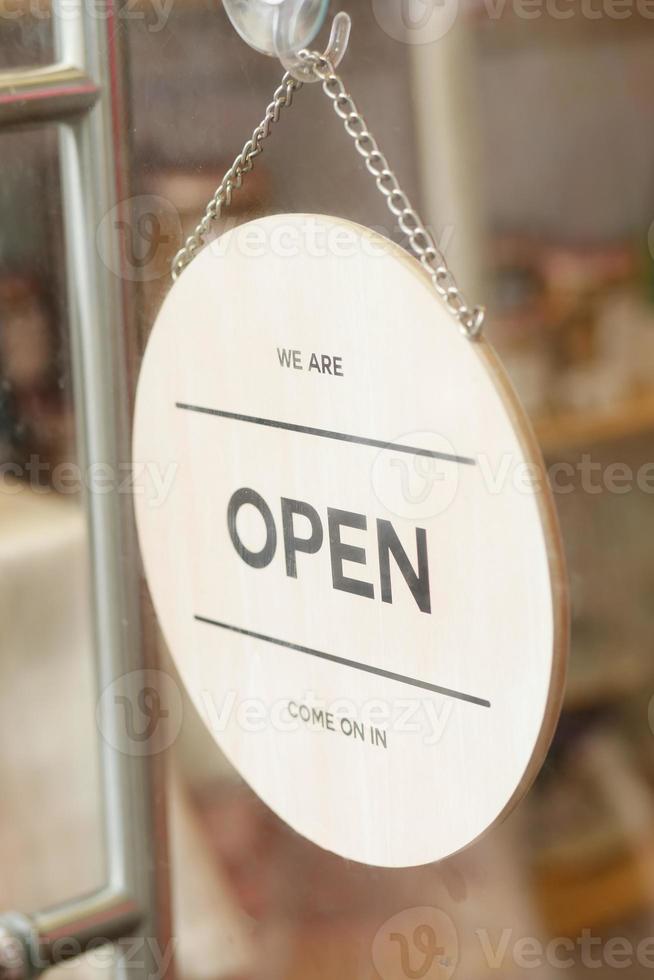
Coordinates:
<point>524,133</point>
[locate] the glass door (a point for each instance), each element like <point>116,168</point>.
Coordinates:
<point>523,133</point>
<point>523,139</point>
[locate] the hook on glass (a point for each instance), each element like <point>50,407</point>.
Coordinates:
<point>283,28</point>
<point>339,38</point>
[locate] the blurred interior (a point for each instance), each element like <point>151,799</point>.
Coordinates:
<point>528,145</point>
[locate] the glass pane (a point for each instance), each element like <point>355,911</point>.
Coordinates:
<point>51,825</point>
<point>26,35</point>
<point>527,138</point>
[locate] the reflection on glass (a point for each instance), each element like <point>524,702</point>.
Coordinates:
<point>563,119</point>
<point>26,35</point>
<point>50,807</point>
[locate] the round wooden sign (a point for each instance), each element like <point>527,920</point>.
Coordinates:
<point>355,562</point>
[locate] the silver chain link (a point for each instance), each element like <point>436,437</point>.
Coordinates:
<point>422,243</point>
<point>243,164</point>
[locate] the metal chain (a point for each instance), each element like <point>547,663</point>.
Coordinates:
<point>431,258</point>
<point>243,164</point>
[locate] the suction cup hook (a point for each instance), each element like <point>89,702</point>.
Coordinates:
<point>283,28</point>
<point>339,38</point>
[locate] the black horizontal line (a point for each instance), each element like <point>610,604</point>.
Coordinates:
<point>328,434</point>
<point>332,658</point>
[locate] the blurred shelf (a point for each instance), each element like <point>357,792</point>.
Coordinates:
<point>632,416</point>
<point>607,680</point>
<point>589,896</point>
